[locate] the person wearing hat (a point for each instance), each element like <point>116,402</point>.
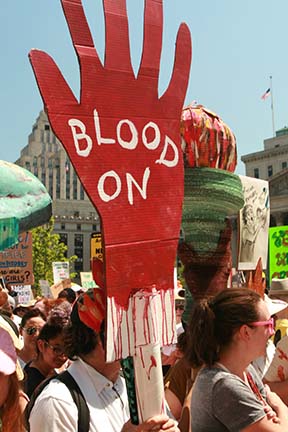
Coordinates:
<point>277,374</point>
<point>100,383</point>
<point>30,327</point>
<point>262,364</point>
<point>10,410</point>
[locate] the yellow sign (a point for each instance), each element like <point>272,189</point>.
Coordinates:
<point>96,246</point>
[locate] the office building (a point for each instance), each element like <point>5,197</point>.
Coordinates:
<point>75,216</point>
<point>272,164</point>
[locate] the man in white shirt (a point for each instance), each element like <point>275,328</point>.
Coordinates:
<point>103,389</point>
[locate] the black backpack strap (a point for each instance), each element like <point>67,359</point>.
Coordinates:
<point>79,400</point>
<point>31,403</point>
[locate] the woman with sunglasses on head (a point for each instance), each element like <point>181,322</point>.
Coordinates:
<point>50,355</point>
<point>31,324</point>
<point>226,334</point>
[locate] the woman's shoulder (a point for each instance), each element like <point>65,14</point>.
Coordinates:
<point>216,376</point>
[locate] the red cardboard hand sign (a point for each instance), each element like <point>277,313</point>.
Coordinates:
<point>124,142</point>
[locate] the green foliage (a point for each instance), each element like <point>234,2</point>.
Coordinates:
<point>180,276</point>
<point>46,249</point>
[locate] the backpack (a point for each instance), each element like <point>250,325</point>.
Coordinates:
<point>77,396</point>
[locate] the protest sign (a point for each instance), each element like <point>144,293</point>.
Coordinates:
<point>87,280</point>
<point>60,271</point>
<point>254,220</point>
<point>16,265</point>
<point>60,286</point>
<point>96,246</point>
<point>24,294</point>
<point>124,143</point>
<point>45,288</point>
<point>278,252</point>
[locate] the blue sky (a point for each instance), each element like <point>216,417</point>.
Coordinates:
<point>237,45</point>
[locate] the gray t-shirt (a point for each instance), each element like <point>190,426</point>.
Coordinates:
<point>222,402</point>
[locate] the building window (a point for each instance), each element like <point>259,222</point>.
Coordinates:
<point>58,182</point>
<point>81,192</point>
<point>43,177</point>
<point>284,165</point>
<point>63,226</point>
<point>94,227</point>
<point>285,219</point>
<point>78,226</point>
<point>78,241</point>
<point>35,161</point>
<point>74,185</point>
<point>51,182</point>
<point>78,250</point>
<point>46,127</point>
<point>256,172</point>
<point>270,170</point>
<point>27,166</point>
<point>67,169</point>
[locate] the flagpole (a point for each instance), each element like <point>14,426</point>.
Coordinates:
<point>272,106</point>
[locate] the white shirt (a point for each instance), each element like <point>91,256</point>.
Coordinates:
<point>54,409</point>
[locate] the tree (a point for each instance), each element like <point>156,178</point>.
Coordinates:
<point>47,248</point>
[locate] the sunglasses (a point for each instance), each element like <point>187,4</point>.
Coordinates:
<point>181,307</point>
<point>57,350</point>
<point>31,330</point>
<point>269,323</point>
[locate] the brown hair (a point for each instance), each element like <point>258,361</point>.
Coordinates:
<point>214,322</point>
<point>10,411</point>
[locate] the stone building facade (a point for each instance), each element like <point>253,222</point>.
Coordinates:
<point>75,217</point>
<point>272,164</point>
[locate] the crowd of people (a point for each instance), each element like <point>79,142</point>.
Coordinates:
<point>220,376</point>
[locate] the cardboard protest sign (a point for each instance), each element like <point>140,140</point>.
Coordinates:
<point>45,288</point>
<point>87,280</point>
<point>254,220</point>
<point>60,271</point>
<point>24,294</point>
<point>16,266</point>
<point>278,252</point>
<point>124,143</point>
<point>60,286</point>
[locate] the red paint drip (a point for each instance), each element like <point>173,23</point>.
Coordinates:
<point>280,373</point>
<point>142,358</point>
<point>134,321</point>
<point>113,325</point>
<point>153,364</point>
<point>128,333</point>
<point>282,355</point>
<point>146,320</point>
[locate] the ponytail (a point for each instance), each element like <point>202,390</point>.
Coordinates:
<point>201,335</point>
